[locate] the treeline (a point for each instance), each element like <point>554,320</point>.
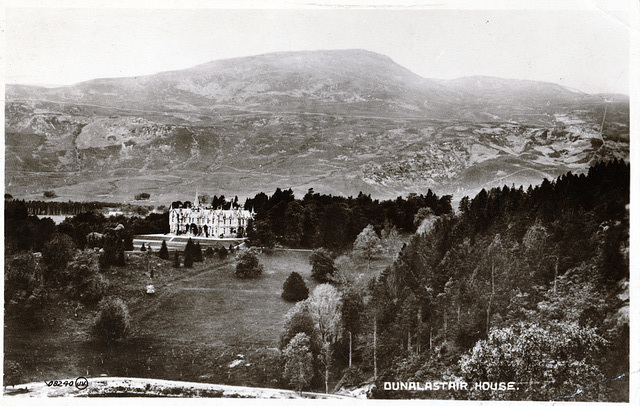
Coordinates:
<point>206,200</point>
<point>24,232</point>
<point>44,208</point>
<point>38,207</point>
<point>333,222</point>
<point>523,286</point>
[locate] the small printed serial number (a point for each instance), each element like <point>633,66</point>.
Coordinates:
<point>60,383</point>
<point>80,383</point>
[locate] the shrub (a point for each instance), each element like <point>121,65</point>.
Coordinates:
<point>85,282</point>
<point>353,377</point>
<point>93,290</point>
<point>49,194</point>
<point>248,265</point>
<point>24,293</point>
<point>56,254</point>
<point>176,260</point>
<point>222,253</point>
<point>12,373</point>
<point>208,252</point>
<point>112,323</point>
<point>294,288</point>
<point>142,196</point>
<point>322,264</point>
<point>143,248</point>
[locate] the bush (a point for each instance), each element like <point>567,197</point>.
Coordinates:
<point>143,248</point>
<point>222,253</point>
<point>49,194</point>
<point>322,264</point>
<point>208,252</point>
<point>12,373</point>
<point>353,377</point>
<point>176,260</point>
<point>112,323</point>
<point>24,293</point>
<point>294,288</point>
<point>93,290</point>
<point>142,196</point>
<point>56,254</point>
<point>85,283</point>
<point>248,265</point>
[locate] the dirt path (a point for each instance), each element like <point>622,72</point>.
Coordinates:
<point>113,386</point>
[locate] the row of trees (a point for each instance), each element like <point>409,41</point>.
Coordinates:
<point>332,222</point>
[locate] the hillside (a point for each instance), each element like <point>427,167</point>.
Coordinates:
<point>338,121</point>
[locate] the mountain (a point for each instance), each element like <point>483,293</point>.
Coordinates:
<point>340,121</point>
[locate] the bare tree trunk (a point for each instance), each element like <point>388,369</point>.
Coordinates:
<point>493,292</point>
<point>555,278</point>
<point>445,326</point>
<point>419,331</point>
<point>349,349</point>
<point>326,379</point>
<point>327,358</point>
<point>375,338</point>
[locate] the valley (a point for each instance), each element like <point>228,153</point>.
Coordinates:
<point>340,122</point>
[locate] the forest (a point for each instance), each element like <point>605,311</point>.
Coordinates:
<point>519,286</point>
<point>525,286</point>
<point>334,222</point>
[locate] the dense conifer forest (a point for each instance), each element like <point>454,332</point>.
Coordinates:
<point>334,222</point>
<point>523,286</point>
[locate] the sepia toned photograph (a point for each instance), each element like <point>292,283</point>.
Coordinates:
<point>318,201</point>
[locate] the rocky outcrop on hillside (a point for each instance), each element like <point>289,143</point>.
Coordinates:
<point>338,121</point>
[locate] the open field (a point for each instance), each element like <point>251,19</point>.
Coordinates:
<point>202,325</point>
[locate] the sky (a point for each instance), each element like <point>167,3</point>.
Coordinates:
<point>584,48</point>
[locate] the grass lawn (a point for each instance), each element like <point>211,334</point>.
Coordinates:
<point>202,324</point>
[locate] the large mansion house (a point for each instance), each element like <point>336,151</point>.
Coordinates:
<point>209,222</point>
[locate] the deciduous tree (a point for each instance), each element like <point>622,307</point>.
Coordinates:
<point>367,244</point>
<point>325,310</point>
<point>298,367</point>
<point>248,265</point>
<point>322,264</point>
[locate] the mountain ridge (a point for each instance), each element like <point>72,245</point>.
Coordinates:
<point>340,121</point>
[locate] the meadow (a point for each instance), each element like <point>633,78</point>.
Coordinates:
<point>202,324</point>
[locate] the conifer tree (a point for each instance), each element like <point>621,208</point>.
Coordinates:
<point>189,246</point>
<point>188,259</point>
<point>176,260</point>
<point>164,251</point>
<point>197,252</point>
<point>294,288</point>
